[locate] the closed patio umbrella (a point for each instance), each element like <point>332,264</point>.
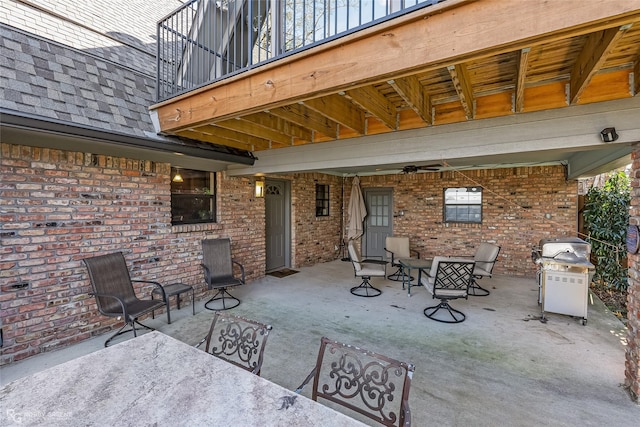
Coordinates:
<point>357,211</point>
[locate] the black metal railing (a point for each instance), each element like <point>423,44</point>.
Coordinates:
<point>208,40</point>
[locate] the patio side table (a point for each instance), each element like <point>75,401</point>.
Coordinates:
<point>175,289</point>
<point>409,263</point>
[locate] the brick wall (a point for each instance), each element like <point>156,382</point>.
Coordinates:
<point>58,207</point>
<point>520,207</point>
<point>632,364</point>
<point>315,239</point>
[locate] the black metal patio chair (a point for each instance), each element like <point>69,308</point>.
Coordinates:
<point>368,383</point>
<point>218,265</point>
<point>237,340</point>
<point>114,293</point>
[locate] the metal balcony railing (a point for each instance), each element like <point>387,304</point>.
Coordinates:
<point>208,40</point>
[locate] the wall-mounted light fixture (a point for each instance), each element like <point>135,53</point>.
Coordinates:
<point>177,177</point>
<point>260,187</point>
<point>608,135</point>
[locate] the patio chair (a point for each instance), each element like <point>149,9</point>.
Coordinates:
<point>366,269</point>
<point>218,264</point>
<point>449,278</point>
<point>398,249</point>
<point>113,289</point>
<point>237,340</point>
<point>485,257</point>
<point>368,383</point>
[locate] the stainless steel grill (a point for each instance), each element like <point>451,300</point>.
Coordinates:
<point>564,274</point>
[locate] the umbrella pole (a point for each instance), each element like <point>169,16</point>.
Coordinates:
<point>343,247</point>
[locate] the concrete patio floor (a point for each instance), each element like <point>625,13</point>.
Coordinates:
<point>502,366</point>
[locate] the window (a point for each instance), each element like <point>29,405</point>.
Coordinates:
<point>193,198</point>
<point>322,200</point>
<point>463,204</point>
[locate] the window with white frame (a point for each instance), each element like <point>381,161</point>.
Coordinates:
<point>463,204</point>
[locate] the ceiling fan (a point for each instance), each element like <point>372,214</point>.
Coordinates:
<point>409,169</point>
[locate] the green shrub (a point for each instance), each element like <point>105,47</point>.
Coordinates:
<point>606,215</point>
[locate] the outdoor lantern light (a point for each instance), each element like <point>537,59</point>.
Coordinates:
<point>608,135</point>
<point>260,187</point>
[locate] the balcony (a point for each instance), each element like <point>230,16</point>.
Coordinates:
<point>261,77</point>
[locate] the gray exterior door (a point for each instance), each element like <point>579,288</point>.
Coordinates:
<point>379,221</point>
<point>277,227</point>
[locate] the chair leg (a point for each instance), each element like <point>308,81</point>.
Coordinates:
<point>476,290</point>
<point>398,276</point>
<point>456,315</point>
<point>365,289</point>
<point>228,300</point>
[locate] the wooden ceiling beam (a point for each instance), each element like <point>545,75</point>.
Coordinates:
<point>594,53</point>
<point>372,101</point>
<point>462,84</point>
<point>303,116</point>
<point>340,110</point>
<point>412,92</point>
<point>521,75</point>
<point>426,39</point>
<point>241,137</point>
<point>286,127</point>
<point>215,139</point>
<point>245,126</point>
<point>636,78</point>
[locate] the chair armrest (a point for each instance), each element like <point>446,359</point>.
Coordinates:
<point>306,380</point>
<point>392,255</point>
<point>124,310</point>
<point>241,268</point>
<point>407,413</point>
<point>157,285</point>
<point>415,252</point>
<point>207,274</point>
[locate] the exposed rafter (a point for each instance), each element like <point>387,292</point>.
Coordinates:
<point>523,61</point>
<point>369,99</point>
<point>286,127</point>
<point>340,110</point>
<point>256,144</point>
<point>303,116</point>
<point>595,51</point>
<point>251,128</point>
<point>462,84</point>
<point>410,89</point>
<point>636,78</point>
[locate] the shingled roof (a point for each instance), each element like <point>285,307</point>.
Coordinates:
<point>88,64</point>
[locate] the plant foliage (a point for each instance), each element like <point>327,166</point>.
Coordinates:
<point>606,215</point>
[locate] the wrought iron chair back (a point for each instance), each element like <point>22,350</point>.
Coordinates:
<point>368,383</point>
<point>238,340</point>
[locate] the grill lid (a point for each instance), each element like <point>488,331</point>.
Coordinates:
<point>566,248</point>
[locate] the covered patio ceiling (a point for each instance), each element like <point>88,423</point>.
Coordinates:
<point>462,84</point>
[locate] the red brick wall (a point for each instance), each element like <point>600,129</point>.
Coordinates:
<point>58,207</point>
<point>520,207</point>
<point>315,239</point>
<point>632,364</point>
